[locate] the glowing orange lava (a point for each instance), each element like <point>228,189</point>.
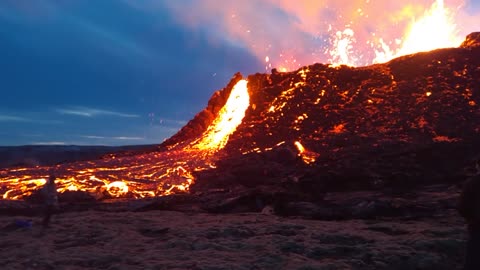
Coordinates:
<point>230,117</point>
<point>307,156</point>
<point>436,29</point>
<point>147,175</point>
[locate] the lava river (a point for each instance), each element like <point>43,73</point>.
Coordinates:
<point>146,175</point>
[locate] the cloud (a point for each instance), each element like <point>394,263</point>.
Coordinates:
<point>10,118</point>
<point>177,122</point>
<point>111,138</point>
<point>92,137</point>
<point>49,143</point>
<point>128,138</point>
<point>166,122</point>
<point>92,112</point>
<point>28,118</point>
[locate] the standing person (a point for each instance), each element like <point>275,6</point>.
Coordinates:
<point>50,200</point>
<point>469,208</point>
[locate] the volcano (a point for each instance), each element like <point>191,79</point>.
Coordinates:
<point>412,121</point>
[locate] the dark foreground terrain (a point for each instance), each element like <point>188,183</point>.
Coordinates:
<point>100,240</point>
<point>357,230</point>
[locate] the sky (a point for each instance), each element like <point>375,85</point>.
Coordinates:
<point>123,72</point>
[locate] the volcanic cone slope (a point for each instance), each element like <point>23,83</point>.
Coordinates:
<point>415,119</point>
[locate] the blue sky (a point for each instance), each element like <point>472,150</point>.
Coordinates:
<point>77,73</point>
<point>118,72</point>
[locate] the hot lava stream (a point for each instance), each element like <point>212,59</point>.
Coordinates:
<point>146,175</point>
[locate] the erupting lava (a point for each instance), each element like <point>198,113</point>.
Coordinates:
<point>230,116</point>
<point>435,29</point>
<point>152,174</point>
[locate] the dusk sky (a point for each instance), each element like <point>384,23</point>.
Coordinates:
<point>121,72</point>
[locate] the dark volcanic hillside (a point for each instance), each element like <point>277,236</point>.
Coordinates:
<point>415,119</point>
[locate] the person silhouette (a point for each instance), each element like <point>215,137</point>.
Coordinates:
<point>469,208</point>
<point>50,200</point>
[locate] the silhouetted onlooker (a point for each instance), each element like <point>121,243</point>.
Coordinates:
<point>50,200</point>
<point>469,208</point>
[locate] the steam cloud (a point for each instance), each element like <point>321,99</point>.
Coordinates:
<point>294,33</point>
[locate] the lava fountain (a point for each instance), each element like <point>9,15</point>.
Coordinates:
<point>435,29</point>
<point>356,38</point>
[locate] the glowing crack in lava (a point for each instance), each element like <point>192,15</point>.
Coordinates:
<point>146,175</point>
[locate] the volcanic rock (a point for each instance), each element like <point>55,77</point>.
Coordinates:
<point>412,121</point>
<point>75,197</point>
<point>472,41</point>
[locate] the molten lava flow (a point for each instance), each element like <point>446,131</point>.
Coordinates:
<point>230,117</point>
<point>307,156</point>
<point>146,175</point>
